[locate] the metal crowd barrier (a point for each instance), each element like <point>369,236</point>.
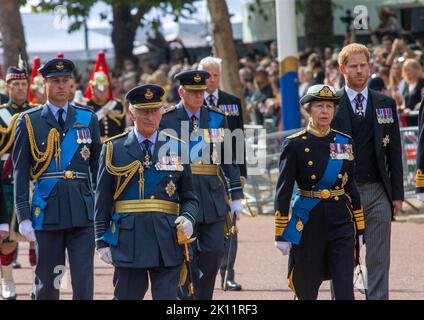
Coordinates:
<point>267,146</point>
<point>409,140</point>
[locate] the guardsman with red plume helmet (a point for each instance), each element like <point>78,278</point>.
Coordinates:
<point>37,92</point>
<point>111,112</point>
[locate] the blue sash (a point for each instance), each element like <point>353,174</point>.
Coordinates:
<point>302,207</point>
<point>152,178</point>
<point>43,188</point>
<point>214,123</point>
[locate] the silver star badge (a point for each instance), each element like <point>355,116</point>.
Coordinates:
<point>386,140</point>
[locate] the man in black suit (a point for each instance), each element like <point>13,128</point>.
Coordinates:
<point>371,119</point>
<point>231,106</point>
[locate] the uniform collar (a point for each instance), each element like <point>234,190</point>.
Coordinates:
<point>314,130</point>
<point>190,114</point>
<point>141,138</point>
<point>16,106</point>
<point>55,109</point>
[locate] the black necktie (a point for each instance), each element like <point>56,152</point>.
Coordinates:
<point>359,109</point>
<point>194,122</point>
<point>146,147</point>
<point>211,99</point>
<point>147,154</point>
<point>60,118</point>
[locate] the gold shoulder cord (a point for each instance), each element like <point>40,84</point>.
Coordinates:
<point>53,143</point>
<point>117,118</point>
<point>4,132</point>
<point>128,171</point>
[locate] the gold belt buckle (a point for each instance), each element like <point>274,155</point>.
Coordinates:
<point>69,174</point>
<point>325,194</point>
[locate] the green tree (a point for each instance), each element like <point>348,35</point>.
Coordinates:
<point>318,23</point>
<point>127,16</point>
<point>12,33</point>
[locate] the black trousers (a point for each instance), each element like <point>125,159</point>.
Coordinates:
<point>208,254</point>
<point>326,252</point>
<point>50,247</point>
<point>230,253</point>
<point>132,283</point>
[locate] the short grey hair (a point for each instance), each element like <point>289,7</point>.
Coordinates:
<point>210,61</point>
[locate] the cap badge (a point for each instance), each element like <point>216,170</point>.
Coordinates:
<point>325,92</point>
<point>197,78</point>
<point>149,94</point>
<point>60,66</point>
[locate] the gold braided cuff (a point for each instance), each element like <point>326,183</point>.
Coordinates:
<point>359,219</point>
<point>419,179</point>
<point>280,223</point>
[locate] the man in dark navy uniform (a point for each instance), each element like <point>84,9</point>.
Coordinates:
<point>203,130</point>
<point>144,193</point>
<point>419,181</point>
<point>57,146</point>
<point>230,105</point>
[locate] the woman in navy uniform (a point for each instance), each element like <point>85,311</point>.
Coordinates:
<point>327,216</point>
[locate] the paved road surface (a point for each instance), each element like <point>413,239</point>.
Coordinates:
<point>262,270</point>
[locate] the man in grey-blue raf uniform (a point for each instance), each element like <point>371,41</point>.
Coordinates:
<point>204,131</point>
<point>57,146</point>
<point>144,192</point>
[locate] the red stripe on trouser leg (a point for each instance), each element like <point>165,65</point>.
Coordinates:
<point>7,259</point>
<point>32,257</point>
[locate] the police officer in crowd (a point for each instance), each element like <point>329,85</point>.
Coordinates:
<point>144,191</point>
<point>203,129</point>
<point>326,213</point>
<point>230,105</point>
<point>57,146</point>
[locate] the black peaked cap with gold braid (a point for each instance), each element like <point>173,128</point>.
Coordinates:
<point>193,79</point>
<point>148,96</point>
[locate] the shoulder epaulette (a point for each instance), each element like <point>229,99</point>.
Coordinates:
<point>342,133</point>
<point>32,110</point>
<point>215,109</point>
<point>171,136</point>
<point>85,108</point>
<point>297,134</point>
<point>117,136</point>
<point>169,109</point>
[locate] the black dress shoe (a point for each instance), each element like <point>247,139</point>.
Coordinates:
<point>232,286</point>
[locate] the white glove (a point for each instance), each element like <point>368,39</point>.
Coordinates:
<point>187,226</point>
<point>283,246</point>
<point>105,255</point>
<point>4,227</point>
<point>361,241</point>
<point>26,229</point>
<point>420,196</point>
<point>237,207</point>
